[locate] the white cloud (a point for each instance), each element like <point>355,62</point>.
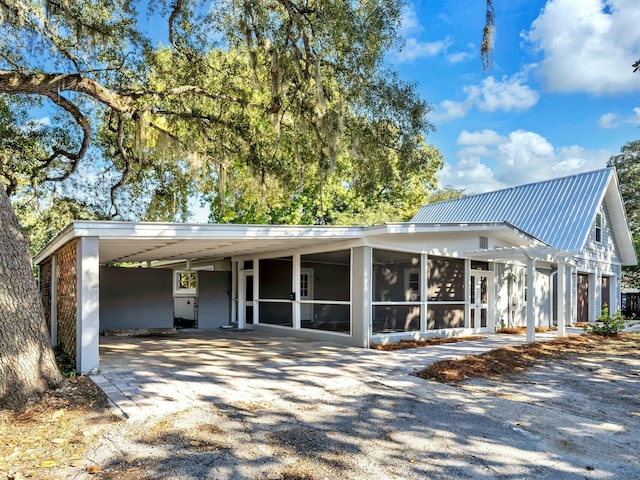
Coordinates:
<point>414,49</point>
<point>484,137</point>
<point>471,175</point>
<point>613,120</point>
<point>409,22</point>
<point>491,95</point>
<point>459,57</point>
<point>489,161</point>
<point>608,120</point>
<point>588,45</point>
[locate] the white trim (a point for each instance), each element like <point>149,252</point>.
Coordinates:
<point>184,292</point>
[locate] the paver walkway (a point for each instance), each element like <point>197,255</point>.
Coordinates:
<point>157,375</point>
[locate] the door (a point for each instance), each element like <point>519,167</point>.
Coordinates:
<point>306,293</point>
<point>582,310</point>
<point>481,302</point>
<point>245,299</point>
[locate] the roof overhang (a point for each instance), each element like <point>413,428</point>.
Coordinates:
<point>619,223</point>
<point>141,242</point>
<point>502,230</point>
<point>169,242</point>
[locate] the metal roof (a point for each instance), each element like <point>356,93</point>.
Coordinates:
<point>559,212</point>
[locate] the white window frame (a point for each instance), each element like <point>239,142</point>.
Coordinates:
<point>177,290</point>
<point>414,294</point>
<point>598,228</point>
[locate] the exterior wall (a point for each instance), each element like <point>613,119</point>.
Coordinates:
<point>213,299</point>
<point>598,259</point>
<point>543,299</point>
<point>135,298</point>
<point>511,307</point>
<point>67,300</point>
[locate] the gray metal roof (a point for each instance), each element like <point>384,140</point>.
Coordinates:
<point>559,212</point>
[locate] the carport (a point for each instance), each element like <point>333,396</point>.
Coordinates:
<point>74,262</point>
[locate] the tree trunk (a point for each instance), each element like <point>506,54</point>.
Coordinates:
<point>27,363</point>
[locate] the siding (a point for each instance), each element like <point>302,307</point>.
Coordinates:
<point>136,298</point>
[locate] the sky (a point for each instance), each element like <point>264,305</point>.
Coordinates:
<point>561,97</point>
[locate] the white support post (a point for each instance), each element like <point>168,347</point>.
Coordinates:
<point>561,293</point>
<point>234,291</point>
<point>531,300</point>
<point>242,300</point>
<point>87,304</point>
<point>295,289</point>
<point>361,284</point>
<point>423,292</point>
<point>54,300</point>
<point>256,291</point>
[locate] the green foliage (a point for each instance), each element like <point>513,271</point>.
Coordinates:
<point>267,112</point>
<point>66,364</point>
<point>627,166</point>
<point>607,324</point>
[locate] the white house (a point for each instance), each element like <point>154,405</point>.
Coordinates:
<point>548,253</point>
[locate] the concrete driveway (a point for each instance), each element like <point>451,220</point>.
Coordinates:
<point>163,374</point>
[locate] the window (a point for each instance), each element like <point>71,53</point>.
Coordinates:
<point>599,228</point>
<point>484,243</point>
<point>412,284</point>
<point>186,283</point>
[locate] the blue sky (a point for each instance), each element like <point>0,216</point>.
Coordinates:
<point>561,97</point>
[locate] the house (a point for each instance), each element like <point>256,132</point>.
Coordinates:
<point>547,253</point>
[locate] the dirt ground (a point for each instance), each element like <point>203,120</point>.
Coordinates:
<point>572,412</point>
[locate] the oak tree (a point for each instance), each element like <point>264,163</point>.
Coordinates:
<point>170,98</point>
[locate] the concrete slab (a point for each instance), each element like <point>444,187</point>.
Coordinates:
<point>158,374</point>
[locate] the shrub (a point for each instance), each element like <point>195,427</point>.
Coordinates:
<point>607,324</point>
<point>66,365</point>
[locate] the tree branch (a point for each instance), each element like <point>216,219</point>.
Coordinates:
<point>127,168</point>
<point>53,83</point>
<point>86,138</point>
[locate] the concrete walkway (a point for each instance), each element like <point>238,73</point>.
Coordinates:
<point>163,374</point>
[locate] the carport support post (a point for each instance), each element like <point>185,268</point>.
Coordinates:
<point>562,282</point>
<point>87,304</point>
<point>361,284</point>
<point>531,300</point>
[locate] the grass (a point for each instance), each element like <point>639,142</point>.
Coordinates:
<point>512,360</point>
<point>404,344</point>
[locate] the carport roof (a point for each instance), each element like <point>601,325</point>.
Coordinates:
<point>147,241</point>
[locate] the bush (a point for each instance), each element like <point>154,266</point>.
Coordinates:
<point>607,324</point>
<point>66,365</point>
